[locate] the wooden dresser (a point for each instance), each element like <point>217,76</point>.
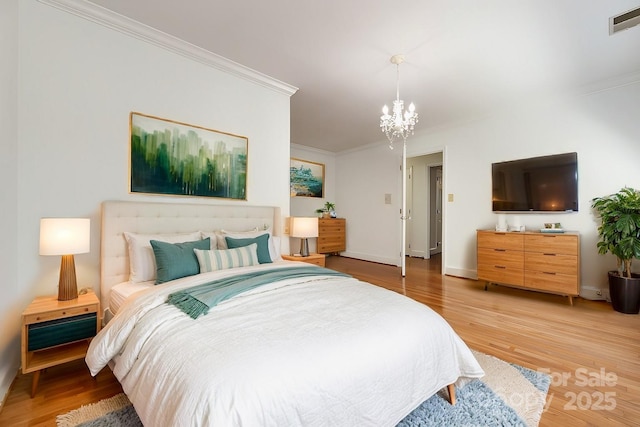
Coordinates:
<point>547,262</point>
<point>332,235</point>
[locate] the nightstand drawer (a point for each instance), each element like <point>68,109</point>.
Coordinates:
<point>61,331</point>
<point>59,313</point>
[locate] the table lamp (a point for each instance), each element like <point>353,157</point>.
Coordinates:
<point>304,227</point>
<point>66,237</point>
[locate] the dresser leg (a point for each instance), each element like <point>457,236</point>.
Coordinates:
<point>570,300</point>
<point>34,382</point>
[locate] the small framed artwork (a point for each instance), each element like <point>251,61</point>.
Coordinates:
<point>174,158</point>
<point>306,178</point>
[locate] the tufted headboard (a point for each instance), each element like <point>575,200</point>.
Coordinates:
<point>155,218</point>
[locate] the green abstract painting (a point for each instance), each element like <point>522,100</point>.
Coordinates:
<point>169,157</point>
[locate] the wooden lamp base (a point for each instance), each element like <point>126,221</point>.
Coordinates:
<point>67,286</point>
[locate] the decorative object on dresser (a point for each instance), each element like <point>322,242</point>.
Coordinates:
<point>332,235</point>
<point>619,233</point>
<point>317,259</point>
<point>327,211</point>
<point>531,260</point>
<point>56,332</point>
<point>304,228</point>
<point>306,179</point>
<point>66,237</point>
<point>169,157</point>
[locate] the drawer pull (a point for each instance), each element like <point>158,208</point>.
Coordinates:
<point>548,272</point>
<point>500,267</point>
<point>500,250</point>
<point>549,254</point>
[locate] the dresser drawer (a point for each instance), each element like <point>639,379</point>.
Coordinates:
<point>501,257</point>
<point>499,240</point>
<point>59,313</point>
<point>61,331</point>
<point>501,274</point>
<point>551,263</point>
<point>548,243</point>
<point>552,282</point>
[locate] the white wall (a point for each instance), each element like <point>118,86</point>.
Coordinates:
<point>363,177</point>
<point>306,206</point>
<point>78,83</point>
<point>602,127</point>
<point>9,285</point>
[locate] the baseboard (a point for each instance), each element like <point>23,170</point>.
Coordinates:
<point>461,272</point>
<point>8,390</point>
<point>594,294</point>
<point>369,257</point>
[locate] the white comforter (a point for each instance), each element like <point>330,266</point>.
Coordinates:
<point>315,351</point>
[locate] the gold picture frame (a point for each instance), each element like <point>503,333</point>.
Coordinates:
<point>306,178</point>
<point>174,158</point>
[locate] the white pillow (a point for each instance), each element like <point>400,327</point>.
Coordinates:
<point>218,239</point>
<point>274,248</point>
<point>221,259</point>
<point>142,262</point>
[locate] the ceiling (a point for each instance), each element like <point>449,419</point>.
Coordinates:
<point>464,58</point>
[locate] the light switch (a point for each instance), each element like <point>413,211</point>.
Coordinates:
<point>450,197</point>
<point>387,199</point>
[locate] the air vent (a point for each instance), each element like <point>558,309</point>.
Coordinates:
<point>624,21</point>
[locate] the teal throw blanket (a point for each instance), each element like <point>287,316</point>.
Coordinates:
<point>199,299</point>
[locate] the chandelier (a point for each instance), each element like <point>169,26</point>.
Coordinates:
<point>401,123</point>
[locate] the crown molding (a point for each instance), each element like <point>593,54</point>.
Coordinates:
<point>130,27</point>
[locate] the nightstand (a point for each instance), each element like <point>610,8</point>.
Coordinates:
<point>56,332</point>
<point>317,259</point>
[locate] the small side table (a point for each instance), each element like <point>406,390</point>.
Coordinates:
<point>317,259</point>
<point>56,332</point>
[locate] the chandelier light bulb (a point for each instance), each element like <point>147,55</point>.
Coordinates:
<point>385,110</point>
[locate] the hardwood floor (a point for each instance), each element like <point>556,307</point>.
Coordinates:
<point>592,352</point>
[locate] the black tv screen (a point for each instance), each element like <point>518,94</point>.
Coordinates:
<point>537,184</point>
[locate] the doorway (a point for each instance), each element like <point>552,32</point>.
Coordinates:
<point>424,206</point>
<point>435,209</point>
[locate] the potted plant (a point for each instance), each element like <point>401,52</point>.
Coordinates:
<point>327,211</point>
<point>619,233</point>
<point>330,208</point>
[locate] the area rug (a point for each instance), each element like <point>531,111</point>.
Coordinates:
<point>508,395</point>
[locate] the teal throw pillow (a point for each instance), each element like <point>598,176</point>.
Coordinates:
<point>263,246</point>
<point>176,260</point>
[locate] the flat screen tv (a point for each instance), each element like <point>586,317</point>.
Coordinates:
<point>537,184</point>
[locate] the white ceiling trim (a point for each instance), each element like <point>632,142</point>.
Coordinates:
<point>128,26</point>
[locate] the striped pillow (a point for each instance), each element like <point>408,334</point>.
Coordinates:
<point>227,258</point>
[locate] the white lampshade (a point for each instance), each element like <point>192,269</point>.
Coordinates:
<point>304,227</point>
<point>64,236</point>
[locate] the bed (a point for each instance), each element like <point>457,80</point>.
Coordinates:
<point>311,347</point>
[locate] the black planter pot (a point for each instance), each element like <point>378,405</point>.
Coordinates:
<point>625,292</point>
